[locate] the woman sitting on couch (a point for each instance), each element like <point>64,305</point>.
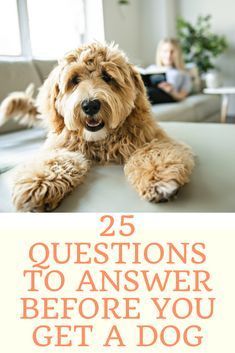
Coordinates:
<point>178,84</point>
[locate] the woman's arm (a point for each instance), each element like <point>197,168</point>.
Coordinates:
<point>168,88</point>
<point>179,96</point>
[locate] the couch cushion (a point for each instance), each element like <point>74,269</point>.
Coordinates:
<point>211,188</point>
<point>44,67</point>
<point>204,105</point>
<point>17,146</point>
<point>194,108</point>
<point>16,76</point>
<point>173,112</point>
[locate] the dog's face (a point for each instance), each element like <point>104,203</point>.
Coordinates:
<point>92,91</point>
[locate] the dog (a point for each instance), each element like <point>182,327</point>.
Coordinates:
<point>95,106</point>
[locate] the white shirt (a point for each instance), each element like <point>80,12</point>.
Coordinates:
<point>179,79</point>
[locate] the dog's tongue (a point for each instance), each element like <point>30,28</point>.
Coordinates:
<point>92,121</point>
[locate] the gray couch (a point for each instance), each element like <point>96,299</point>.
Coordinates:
<point>195,108</point>
<point>16,76</point>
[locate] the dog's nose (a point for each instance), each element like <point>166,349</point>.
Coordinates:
<point>91,107</point>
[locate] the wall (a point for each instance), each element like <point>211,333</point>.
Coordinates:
<point>223,21</point>
<point>157,21</point>
<point>122,25</point>
<point>138,27</point>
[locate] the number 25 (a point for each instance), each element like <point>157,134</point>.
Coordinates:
<point>126,228</point>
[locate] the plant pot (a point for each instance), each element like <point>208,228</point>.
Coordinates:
<point>212,79</point>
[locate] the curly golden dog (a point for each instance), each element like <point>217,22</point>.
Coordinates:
<point>96,108</point>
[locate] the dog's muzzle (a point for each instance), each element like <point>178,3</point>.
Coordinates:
<point>94,124</point>
<point>91,108</point>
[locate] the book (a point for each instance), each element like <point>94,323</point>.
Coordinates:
<point>152,75</point>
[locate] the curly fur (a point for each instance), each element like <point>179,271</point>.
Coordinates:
<point>154,164</point>
<point>43,183</point>
<point>20,106</point>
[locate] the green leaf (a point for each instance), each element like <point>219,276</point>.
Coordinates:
<point>199,43</point>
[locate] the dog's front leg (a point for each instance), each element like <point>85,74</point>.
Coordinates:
<point>159,169</point>
<point>41,185</point>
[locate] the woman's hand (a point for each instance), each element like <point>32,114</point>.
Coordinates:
<point>167,87</point>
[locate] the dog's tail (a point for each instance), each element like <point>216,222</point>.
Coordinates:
<point>20,106</point>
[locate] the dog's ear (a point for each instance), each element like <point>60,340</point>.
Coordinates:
<point>139,84</point>
<point>141,101</point>
<point>46,101</point>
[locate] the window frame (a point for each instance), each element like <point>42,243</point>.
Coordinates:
<point>25,40</point>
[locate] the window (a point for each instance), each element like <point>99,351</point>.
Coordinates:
<point>55,26</point>
<point>47,29</point>
<point>9,28</point>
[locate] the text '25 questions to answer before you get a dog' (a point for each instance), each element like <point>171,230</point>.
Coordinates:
<point>117,291</point>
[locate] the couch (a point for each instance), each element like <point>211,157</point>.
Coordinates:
<point>16,76</point>
<point>195,108</point>
<point>212,186</point>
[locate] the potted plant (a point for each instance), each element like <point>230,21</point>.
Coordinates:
<point>200,45</point>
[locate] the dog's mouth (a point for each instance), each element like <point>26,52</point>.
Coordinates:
<point>93,124</point>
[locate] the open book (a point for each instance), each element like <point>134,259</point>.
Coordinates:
<point>152,75</point>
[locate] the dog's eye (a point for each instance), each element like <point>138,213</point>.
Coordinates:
<point>106,77</point>
<point>75,80</point>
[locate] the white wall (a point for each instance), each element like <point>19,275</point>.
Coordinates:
<point>151,27</point>
<point>138,27</point>
<point>157,20</point>
<point>223,21</point>
<point>121,24</point>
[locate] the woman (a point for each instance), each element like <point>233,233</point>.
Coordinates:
<point>178,83</point>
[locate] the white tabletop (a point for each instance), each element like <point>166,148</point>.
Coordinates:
<point>220,90</point>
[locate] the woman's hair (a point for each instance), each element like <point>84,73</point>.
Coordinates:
<point>178,61</point>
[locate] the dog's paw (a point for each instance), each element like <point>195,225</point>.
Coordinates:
<point>162,191</point>
<point>41,185</point>
<point>34,196</point>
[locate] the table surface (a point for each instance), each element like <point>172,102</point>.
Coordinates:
<point>211,189</point>
<point>220,90</point>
